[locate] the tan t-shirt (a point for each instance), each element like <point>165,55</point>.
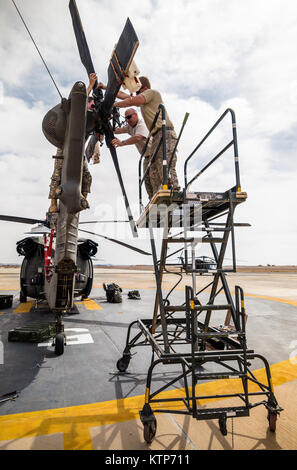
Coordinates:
<point>148,110</point>
<point>140,129</point>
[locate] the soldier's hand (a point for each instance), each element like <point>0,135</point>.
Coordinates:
<point>99,136</point>
<point>117,143</point>
<point>101,85</point>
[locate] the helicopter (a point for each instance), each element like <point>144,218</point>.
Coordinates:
<point>57,265</point>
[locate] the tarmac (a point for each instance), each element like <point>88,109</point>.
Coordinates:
<point>80,401</point>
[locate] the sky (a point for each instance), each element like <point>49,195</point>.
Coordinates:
<point>203,56</point>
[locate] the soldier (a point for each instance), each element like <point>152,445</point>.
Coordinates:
<point>138,131</point>
<point>56,180</point>
<point>149,100</point>
<point>92,149</point>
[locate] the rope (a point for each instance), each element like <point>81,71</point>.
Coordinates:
<point>119,65</point>
<point>116,74</point>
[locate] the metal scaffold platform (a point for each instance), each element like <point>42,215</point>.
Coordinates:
<point>184,335</point>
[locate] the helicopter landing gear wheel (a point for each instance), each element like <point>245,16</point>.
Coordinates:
<point>272,417</point>
<point>59,344</point>
<point>23,298</point>
<point>223,425</point>
<point>149,430</point>
<point>123,363</point>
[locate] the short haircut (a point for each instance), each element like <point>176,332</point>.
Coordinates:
<point>90,98</point>
<point>145,82</point>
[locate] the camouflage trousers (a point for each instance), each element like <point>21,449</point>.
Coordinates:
<point>57,173</point>
<point>147,179</point>
<point>156,170</point>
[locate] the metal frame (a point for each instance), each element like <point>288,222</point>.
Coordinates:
<point>233,143</point>
<point>178,335</point>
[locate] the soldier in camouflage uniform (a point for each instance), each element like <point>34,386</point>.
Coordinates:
<point>156,170</point>
<point>149,101</point>
<point>93,149</point>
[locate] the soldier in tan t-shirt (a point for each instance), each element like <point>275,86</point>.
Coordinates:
<point>149,100</point>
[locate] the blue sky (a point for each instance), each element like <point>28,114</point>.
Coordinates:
<point>203,56</point>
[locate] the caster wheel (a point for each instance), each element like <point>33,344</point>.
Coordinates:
<point>23,298</point>
<point>149,431</point>
<point>59,344</point>
<point>272,417</point>
<point>223,425</point>
<point>123,363</point>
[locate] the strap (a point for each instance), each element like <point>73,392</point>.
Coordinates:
<point>122,71</point>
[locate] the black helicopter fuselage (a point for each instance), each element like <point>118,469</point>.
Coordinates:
<point>35,273</point>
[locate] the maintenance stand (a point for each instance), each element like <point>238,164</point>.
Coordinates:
<point>182,334</point>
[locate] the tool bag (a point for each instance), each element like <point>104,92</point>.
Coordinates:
<point>6,301</point>
<point>134,294</point>
<point>113,293</point>
<point>33,333</point>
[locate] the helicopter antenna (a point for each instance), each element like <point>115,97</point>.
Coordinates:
<point>37,48</point>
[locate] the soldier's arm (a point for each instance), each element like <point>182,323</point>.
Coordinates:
<point>131,101</point>
<point>121,130</point>
<point>132,140</point>
<point>120,94</point>
<point>92,80</point>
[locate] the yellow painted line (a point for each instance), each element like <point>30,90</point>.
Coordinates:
<point>275,299</point>
<point>24,307</point>
<point>91,304</point>
<point>8,288</point>
<point>75,422</point>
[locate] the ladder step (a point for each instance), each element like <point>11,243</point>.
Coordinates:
<point>180,240</point>
<point>190,240</point>
<point>214,413</point>
<point>183,308</point>
<point>218,334</point>
<point>219,376</point>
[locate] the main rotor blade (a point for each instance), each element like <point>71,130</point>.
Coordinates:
<point>118,242</point>
<point>121,60</point>
<point>119,65</point>
<point>82,44</point>
<point>108,138</point>
<point>21,220</point>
